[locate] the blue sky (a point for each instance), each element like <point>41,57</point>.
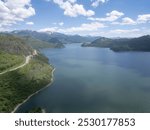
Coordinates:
<point>109,18</point>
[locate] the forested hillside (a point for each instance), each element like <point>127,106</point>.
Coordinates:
<point>18,84</point>
<point>14,45</point>
<point>123,44</point>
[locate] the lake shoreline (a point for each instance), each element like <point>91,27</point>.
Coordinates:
<point>52,79</point>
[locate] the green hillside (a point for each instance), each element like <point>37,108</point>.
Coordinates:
<point>14,45</point>
<point>8,61</point>
<point>122,44</point>
<point>39,44</point>
<point>17,85</point>
<point>44,39</point>
<point>12,51</point>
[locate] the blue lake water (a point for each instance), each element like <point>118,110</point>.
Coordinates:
<point>89,79</point>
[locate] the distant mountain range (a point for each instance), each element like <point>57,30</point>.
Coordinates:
<point>53,39</point>
<point>122,44</point>
<point>38,40</point>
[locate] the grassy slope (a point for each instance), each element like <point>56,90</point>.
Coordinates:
<point>37,44</point>
<point>16,86</point>
<point>8,61</point>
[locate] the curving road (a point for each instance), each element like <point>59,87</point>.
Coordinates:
<point>28,58</point>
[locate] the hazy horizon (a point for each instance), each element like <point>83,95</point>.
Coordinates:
<point>117,37</point>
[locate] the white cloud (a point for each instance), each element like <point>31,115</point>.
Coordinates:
<point>3,29</point>
<point>112,16</point>
<point>49,30</point>
<point>86,27</point>
<point>12,11</point>
<point>83,29</point>
<point>61,23</point>
<point>115,15</point>
<point>137,32</point>
<point>126,21</point>
<point>72,9</point>
<point>143,18</point>
<point>29,23</point>
<point>72,1</point>
<point>96,3</point>
<point>97,30</point>
<point>123,31</point>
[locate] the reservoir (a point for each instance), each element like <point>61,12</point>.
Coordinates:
<point>89,79</point>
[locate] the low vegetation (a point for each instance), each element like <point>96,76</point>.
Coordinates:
<point>8,61</point>
<point>17,85</point>
<point>39,44</point>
